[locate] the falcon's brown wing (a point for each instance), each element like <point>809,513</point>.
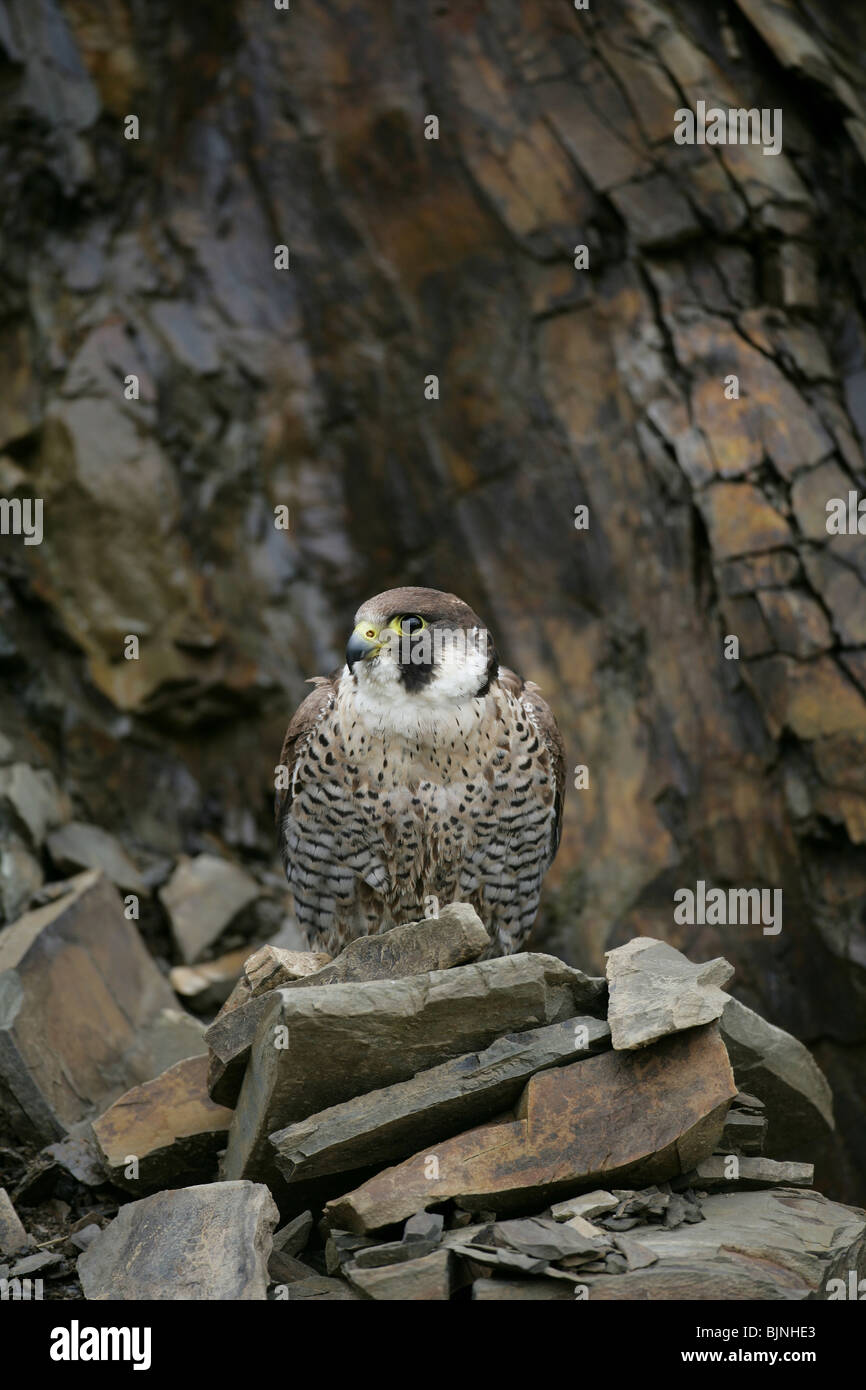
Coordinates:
<point>542,716</point>
<point>304,721</point>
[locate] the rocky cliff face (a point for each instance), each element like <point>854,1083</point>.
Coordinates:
<point>304,388</point>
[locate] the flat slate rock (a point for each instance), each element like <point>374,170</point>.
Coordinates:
<point>777,1069</point>
<point>426,1279</point>
<point>79,845</point>
<point>169,1037</point>
<point>13,1236</point>
<point>394,1252</point>
<point>543,1238</point>
<point>655,990</point>
<point>320,1289</point>
<point>745,1131</point>
<point>424,1225</point>
<point>283,1268</point>
<point>480,1256</point>
<point>79,1155</point>
<point>203,896</point>
<point>207,986</point>
<point>79,999</point>
<point>169,1125</point>
<point>385,1125</point>
<point>210,1242</point>
<point>778,1244</point>
<point>293,1237</point>
<point>505,1290</point>
<point>713,1173</point>
<point>229,1040</point>
<point>316,1048</point>
<point>271,966</point>
<point>642,1116</point>
<point>456,937</point>
<point>585,1205</point>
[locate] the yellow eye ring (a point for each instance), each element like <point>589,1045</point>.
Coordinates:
<point>399,622</point>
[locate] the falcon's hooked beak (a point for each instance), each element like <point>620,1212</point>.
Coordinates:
<point>363,642</point>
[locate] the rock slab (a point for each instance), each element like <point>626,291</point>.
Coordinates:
<point>318,1047</point>
<point>456,937</point>
<point>80,998</point>
<point>169,1125</point>
<point>645,1116</point>
<point>202,897</point>
<point>385,1125</point>
<point>780,1071</point>
<point>777,1244</point>
<point>210,1242</point>
<point>656,990</point>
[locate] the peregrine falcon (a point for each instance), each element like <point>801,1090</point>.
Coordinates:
<point>420,773</point>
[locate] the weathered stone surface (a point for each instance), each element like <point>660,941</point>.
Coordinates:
<point>543,1238</point>
<point>342,1246</point>
<point>393,1252</point>
<point>77,846</point>
<point>283,1268</point>
<point>744,1132</point>
<point>208,985</point>
<point>85,1236</point>
<point>168,1038</point>
<point>344,1039</point>
<point>585,1204</point>
<point>456,937</point>
<point>479,1257</point>
<point>170,1125</point>
<point>291,1239</point>
<point>229,1040</point>
<point>656,990</point>
<point>713,1173</point>
<point>202,897</point>
<point>79,1155</point>
<point>34,797</point>
<point>21,876</point>
<point>427,1278</point>
<point>498,1290</point>
<point>235,1025</point>
<point>644,1115</point>
<point>388,1124</point>
<point>80,1003</point>
<point>270,967</point>
<point>13,1236</point>
<point>424,1225</point>
<point>35,1264</point>
<point>783,1074</point>
<point>740,520</point>
<point>780,1244</point>
<point>585,1228</point>
<point>320,1289</point>
<point>207,1242</point>
<point>637,1254</point>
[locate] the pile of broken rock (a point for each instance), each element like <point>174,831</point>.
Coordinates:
<point>406,1121</point>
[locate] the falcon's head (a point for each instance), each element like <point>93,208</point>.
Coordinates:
<point>420,644</point>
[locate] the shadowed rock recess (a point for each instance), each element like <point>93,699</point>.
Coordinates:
<point>163,388</point>
<point>482,1129</point>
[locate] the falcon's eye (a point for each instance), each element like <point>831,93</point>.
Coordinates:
<point>404,624</point>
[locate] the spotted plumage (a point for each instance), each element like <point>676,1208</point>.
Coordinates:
<point>421,773</point>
